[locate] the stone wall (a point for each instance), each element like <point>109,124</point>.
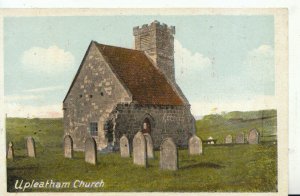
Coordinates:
<point>166,121</point>
<point>92,97</point>
<point>157,40</point>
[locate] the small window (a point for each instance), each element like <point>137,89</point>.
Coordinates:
<point>101,93</point>
<point>80,95</point>
<point>94,129</point>
<point>91,96</point>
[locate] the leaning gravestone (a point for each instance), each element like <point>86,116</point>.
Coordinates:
<point>228,139</point>
<point>90,151</point>
<point>240,138</point>
<point>68,146</point>
<point>31,147</point>
<point>150,153</point>
<point>253,137</point>
<point>168,155</point>
<point>139,149</point>
<point>124,147</point>
<point>195,145</point>
<point>10,152</point>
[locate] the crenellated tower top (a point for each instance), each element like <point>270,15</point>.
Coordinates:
<point>157,40</point>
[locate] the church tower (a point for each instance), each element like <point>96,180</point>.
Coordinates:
<point>157,40</point>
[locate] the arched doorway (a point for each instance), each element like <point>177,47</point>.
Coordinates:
<point>146,126</point>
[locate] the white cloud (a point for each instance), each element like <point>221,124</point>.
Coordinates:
<point>188,62</point>
<point>44,89</point>
<point>262,50</point>
<point>24,111</point>
<point>47,60</point>
<point>256,103</point>
<point>12,98</point>
<point>260,65</point>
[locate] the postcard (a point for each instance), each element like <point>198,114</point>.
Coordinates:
<point>145,100</point>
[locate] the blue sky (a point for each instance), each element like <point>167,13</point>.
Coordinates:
<point>222,63</point>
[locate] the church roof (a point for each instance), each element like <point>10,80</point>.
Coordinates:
<point>147,84</point>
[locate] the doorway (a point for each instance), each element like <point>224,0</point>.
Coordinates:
<point>146,126</point>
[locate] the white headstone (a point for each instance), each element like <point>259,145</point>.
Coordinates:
<point>139,149</point>
<point>150,152</point>
<point>195,145</point>
<point>124,147</point>
<point>90,151</point>
<point>168,155</point>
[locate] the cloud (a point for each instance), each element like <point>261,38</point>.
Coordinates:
<point>47,60</point>
<point>188,63</point>
<point>12,98</point>
<point>24,111</point>
<point>256,103</point>
<point>44,89</point>
<point>259,65</point>
<point>262,50</point>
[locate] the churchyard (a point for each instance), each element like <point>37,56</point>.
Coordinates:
<point>223,167</point>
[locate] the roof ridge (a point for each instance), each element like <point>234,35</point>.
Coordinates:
<point>100,44</point>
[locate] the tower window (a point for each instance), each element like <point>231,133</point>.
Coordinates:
<point>94,129</point>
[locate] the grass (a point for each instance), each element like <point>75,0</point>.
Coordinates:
<point>222,168</point>
<point>219,126</point>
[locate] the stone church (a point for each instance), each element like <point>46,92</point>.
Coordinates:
<point>119,91</point>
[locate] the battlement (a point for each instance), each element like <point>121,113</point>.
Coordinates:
<point>157,40</point>
<point>155,25</point>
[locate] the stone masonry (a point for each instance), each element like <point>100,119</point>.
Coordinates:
<point>92,99</point>
<point>166,121</point>
<point>157,40</point>
<point>103,95</point>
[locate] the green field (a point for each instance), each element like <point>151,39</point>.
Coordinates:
<point>228,168</point>
<point>219,126</point>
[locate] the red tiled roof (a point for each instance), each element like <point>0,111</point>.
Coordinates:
<point>145,82</point>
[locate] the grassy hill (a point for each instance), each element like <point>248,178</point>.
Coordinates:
<point>230,168</point>
<point>47,133</point>
<point>220,125</point>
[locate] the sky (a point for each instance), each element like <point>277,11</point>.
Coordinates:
<point>222,63</point>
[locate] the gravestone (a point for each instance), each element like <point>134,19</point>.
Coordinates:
<point>68,147</point>
<point>253,137</point>
<point>228,139</point>
<point>168,155</point>
<point>149,142</point>
<point>31,147</point>
<point>139,149</point>
<point>240,138</point>
<point>195,145</point>
<point>124,147</point>
<point>10,151</point>
<point>90,151</point>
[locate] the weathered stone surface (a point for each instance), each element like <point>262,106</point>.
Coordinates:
<point>163,119</point>
<point>90,151</point>
<point>147,39</point>
<point>253,137</point>
<point>139,150</point>
<point>150,152</point>
<point>195,145</point>
<point>83,109</point>
<point>168,155</point>
<point>228,139</point>
<point>68,146</point>
<point>124,147</point>
<point>240,138</point>
<point>10,151</point>
<point>97,95</point>
<point>31,147</point>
